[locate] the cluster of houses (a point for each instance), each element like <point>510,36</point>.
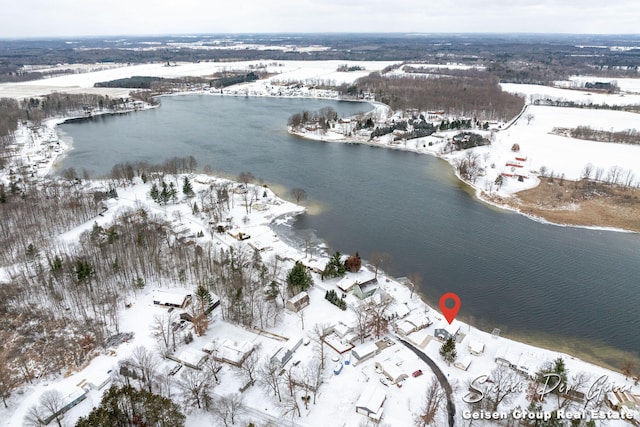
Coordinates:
<point>516,168</point>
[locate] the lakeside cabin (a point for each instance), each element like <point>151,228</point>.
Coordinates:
<point>476,348</point>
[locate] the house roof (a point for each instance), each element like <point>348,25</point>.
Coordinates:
<point>299,297</point>
<point>392,371</point>
<point>192,356</point>
<point>173,296</point>
<point>371,399</point>
<point>364,350</point>
<point>476,347</point>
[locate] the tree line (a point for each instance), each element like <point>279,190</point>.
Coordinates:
<point>479,96</point>
<point>627,136</point>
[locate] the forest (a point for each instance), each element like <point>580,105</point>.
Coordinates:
<point>477,95</point>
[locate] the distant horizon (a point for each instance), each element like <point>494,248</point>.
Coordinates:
<point>43,19</point>
<point>311,33</point>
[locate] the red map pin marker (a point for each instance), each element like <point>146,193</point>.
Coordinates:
<point>450,313</point>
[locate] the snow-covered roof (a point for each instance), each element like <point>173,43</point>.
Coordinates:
<point>234,352</point>
<point>364,350</point>
<point>192,357</point>
<point>299,297</point>
<point>402,310</point>
<point>392,371</point>
<point>173,297</point>
<point>464,363</point>
<point>371,399</point>
<point>504,353</point>
<point>476,347</point>
<point>405,327</point>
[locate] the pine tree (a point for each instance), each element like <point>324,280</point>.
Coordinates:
<point>154,193</point>
<point>448,350</point>
<point>187,189</point>
<point>299,279</point>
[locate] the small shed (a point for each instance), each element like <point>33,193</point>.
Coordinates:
<point>476,348</point>
<point>364,352</point>
<point>298,302</point>
<point>463,364</point>
<point>371,401</point>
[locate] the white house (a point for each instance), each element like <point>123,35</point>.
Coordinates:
<point>192,358</point>
<point>364,352</point>
<point>172,298</point>
<point>371,401</point>
<point>232,352</point>
<point>391,371</point>
<point>476,348</point>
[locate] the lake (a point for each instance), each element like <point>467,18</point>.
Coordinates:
<point>528,278</point>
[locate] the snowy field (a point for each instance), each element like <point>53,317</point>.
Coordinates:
<point>627,85</point>
<point>313,72</point>
<point>538,92</point>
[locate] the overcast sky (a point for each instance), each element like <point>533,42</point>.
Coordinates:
<point>67,18</point>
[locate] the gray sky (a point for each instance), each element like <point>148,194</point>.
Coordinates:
<point>53,18</point>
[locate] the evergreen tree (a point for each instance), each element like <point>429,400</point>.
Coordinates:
<point>299,279</point>
<point>164,194</point>
<point>334,268</point>
<point>127,406</point>
<point>173,193</point>
<point>187,189</point>
<point>448,350</point>
<point>154,193</point>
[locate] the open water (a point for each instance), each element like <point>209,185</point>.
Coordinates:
<point>523,276</point>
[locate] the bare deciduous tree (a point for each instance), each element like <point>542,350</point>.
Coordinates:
<point>298,194</point>
<point>434,400</point>
<point>228,408</point>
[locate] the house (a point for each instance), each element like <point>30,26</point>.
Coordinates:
<point>72,395</point>
<point>363,278</point>
<point>476,348</point>
<point>506,357</point>
<point>371,401</point>
<point>364,352</point>
<point>405,327</point>
<point>391,371</point>
<point>444,332</point>
<point>283,354</point>
<point>179,298</point>
<point>402,310</point>
<point>298,302</point>
<point>463,364</point>
<point>191,358</point>
<point>231,352</point>
<point>528,365</point>
<point>620,399</point>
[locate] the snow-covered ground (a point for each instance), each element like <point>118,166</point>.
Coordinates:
<point>628,85</point>
<point>538,92</point>
<point>339,393</point>
<point>313,72</point>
